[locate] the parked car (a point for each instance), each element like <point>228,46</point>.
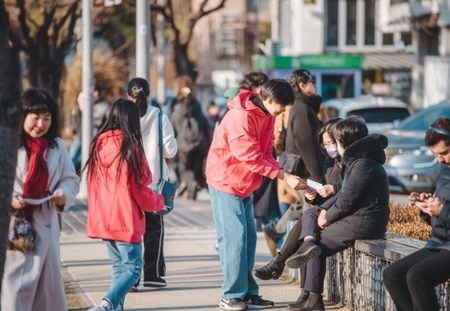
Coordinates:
<point>410,165</point>
<point>379,113</point>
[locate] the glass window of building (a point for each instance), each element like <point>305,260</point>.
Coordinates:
<point>351,22</point>
<point>261,6</point>
<point>369,18</point>
<point>388,39</point>
<point>332,23</point>
<point>406,38</point>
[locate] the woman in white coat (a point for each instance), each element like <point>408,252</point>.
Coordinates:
<point>33,281</point>
<point>139,92</point>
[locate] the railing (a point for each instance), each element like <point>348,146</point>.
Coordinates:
<point>355,276</point>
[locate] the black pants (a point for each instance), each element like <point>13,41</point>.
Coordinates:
<point>291,245</point>
<point>316,267</point>
<point>154,264</point>
<point>411,280</point>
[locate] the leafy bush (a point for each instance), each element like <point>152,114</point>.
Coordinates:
<point>405,220</point>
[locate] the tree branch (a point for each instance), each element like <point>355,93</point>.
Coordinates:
<point>23,24</point>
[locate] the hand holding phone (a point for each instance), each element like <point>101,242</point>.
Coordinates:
<point>414,199</point>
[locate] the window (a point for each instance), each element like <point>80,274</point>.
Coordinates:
<point>388,39</point>
<point>369,16</point>
<point>406,38</point>
<point>260,6</point>
<point>351,22</point>
<point>380,115</point>
<point>332,23</point>
<point>285,23</point>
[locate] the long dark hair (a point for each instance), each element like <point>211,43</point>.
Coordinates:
<point>39,101</point>
<point>139,89</point>
<point>124,116</point>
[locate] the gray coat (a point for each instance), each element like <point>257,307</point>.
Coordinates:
<point>360,210</point>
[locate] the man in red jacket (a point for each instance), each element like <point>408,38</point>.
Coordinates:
<point>239,157</point>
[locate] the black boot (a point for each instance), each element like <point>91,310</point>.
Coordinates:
<point>303,296</point>
<point>313,302</point>
<point>273,270</point>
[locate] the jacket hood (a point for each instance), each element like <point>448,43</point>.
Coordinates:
<point>108,147</point>
<point>313,101</point>
<point>242,101</point>
<point>148,119</point>
<point>370,146</point>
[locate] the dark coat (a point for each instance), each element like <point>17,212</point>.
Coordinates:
<point>441,224</point>
<point>301,136</point>
<point>332,176</point>
<point>360,210</point>
<point>186,108</point>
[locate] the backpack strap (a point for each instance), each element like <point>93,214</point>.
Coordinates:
<point>160,129</point>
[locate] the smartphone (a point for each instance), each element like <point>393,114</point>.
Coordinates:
<point>414,199</point>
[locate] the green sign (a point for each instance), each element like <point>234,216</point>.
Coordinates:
<point>321,61</point>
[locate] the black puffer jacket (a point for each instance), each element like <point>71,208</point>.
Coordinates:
<point>332,176</point>
<point>360,210</point>
<point>301,136</point>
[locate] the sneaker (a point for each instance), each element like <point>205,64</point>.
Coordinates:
<point>134,289</point>
<point>105,305</point>
<point>233,304</point>
<point>155,282</point>
<point>307,251</point>
<point>256,302</point>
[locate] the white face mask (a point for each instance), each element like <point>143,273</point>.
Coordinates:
<point>340,150</point>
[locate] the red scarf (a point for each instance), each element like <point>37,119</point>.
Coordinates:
<point>35,186</point>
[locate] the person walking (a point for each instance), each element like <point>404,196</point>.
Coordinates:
<point>240,155</point>
<point>411,280</point>
<point>138,90</point>
<point>32,281</point>
<point>118,179</point>
<point>193,136</point>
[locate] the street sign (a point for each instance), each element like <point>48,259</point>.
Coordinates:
<point>112,2</point>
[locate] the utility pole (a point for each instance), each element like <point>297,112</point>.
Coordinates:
<point>87,80</point>
<point>161,83</point>
<point>143,39</point>
<point>87,85</point>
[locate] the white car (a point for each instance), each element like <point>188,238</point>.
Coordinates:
<point>379,113</point>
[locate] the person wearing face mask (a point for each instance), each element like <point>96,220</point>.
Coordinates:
<point>360,210</point>
<point>331,180</point>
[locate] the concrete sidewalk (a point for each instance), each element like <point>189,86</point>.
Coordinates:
<point>193,269</point>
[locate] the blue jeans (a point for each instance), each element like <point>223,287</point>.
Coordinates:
<point>126,261</point>
<point>236,233</point>
<point>75,153</point>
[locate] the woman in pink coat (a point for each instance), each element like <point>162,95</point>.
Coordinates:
<point>118,194</point>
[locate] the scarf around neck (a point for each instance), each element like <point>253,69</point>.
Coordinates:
<point>35,185</point>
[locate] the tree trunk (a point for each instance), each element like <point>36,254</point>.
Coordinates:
<point>10,124</point>
<point>182,64</point>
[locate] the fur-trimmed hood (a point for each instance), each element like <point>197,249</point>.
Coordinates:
<point>370,146</point>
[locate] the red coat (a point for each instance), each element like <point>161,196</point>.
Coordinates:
<point>116,205</point>
<point>241,151</point>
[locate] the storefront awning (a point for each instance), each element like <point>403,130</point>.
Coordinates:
<point>388,61</point>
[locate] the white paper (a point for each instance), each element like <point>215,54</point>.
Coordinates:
<point>313,185</point>
<point>38,201</point>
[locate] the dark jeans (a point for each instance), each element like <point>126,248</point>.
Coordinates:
<point>411,280</point>
<point>291,245</point>
<point>316,267</point>
<point>154,264</point>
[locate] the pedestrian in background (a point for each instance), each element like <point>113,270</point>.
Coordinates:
<point>118,179</point>
<point>32,281</point>
<point>240,155</point>
<point>138,91</point>
<point>411,281</point>
<point>193,136</point>
<point>100,112</point>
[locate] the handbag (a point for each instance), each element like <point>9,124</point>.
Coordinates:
<point>166,188</point>
<point>23,235</point>
<point>291,163</point>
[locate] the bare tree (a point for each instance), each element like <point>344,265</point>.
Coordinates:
<point>44,31</point>
<point>10,123</point>
<point>182,28</point>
